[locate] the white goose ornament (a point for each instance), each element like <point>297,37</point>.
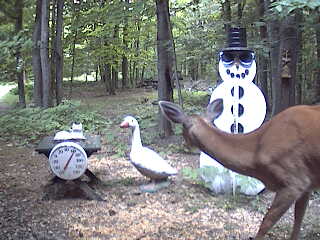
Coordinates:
<point>145,160</point>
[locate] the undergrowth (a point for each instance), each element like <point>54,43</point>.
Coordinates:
<point>30,124</point>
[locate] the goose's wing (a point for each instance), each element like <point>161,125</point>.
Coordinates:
<point>149,159</point>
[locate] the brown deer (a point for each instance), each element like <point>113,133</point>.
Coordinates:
<point>284,153</point>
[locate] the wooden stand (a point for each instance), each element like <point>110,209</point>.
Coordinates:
<point>58,188</point>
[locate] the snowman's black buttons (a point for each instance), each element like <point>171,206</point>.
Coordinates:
<point>241,92</point>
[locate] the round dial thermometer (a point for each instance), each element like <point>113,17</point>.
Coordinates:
<point>68,160</point>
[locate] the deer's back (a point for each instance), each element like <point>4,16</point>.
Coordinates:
<point>288,149</point>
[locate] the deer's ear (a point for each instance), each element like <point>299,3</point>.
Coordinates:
<point>214,109</point>
<point>172,112</point>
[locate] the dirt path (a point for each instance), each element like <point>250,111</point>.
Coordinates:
<point>184,210</point>
<point>4,107</point>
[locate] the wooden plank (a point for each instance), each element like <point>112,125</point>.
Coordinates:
<point>91,144</point>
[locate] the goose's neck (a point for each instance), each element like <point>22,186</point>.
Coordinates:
<point>136,139</point>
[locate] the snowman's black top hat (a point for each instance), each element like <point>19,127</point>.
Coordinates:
<point>237,40</point>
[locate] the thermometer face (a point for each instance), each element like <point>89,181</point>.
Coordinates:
<point>68,160</point>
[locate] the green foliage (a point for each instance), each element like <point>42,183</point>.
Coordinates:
<point>9,44</point>
<point>30,124</point>
<point>285,7</point>
<point>28,90</point>
<point>127,181</point>
<point>174,148</point>
<point>258,205</point>
<point>198,32</point>
<point>194,174</point>
<point>246,182</point>
<point>194,101</point>
<point>190,173</point>
<point>114,145</point>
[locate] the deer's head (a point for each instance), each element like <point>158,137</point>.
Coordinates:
<point>193,122</point>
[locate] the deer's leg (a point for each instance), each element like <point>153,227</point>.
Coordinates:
<point>281,203</point>
<point>299,211</point>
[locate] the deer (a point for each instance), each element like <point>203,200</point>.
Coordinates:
<point>283,153</point>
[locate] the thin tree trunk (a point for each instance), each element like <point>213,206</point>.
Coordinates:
<point>44,55</point>
<point>226,8</point>
<point>263,63</point>
<point>52,48</point>
<point>131,73</point>
<point>59,51</point>
<point>317,76</point>
<point>36,61</point>
<point>107,78</point>
<point>19,60</point>
<point>135,62</point>
<point>241,5</point>
<point>142,72</point>
<point>124,65</point>
<point>115,65</point>
<point>273,26</point>
<point>176,71</point>
<point>299,67</point>
<point>97,73</point>
<point>114,79</point>
<point>164,46</point>
<point>73,59</point>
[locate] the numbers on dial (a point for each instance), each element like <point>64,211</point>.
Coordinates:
<point>68,161</point>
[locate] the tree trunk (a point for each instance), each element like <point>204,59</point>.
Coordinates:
<point>36,61</point>
<point>19,60</point>
<point>194,69</point>
<point>107,77</point>
<point>226,12</point>
<point>136,45</point>
<point>263,59</point>
<point>299,72</point>
<point>44,54</point>
<point>273,26</point>
<point>52,48</point>
<point>176,77</point>
<point>102,73</point>
<point>115,65</point>
<point>131,74</point>
<point>317,76</point>
<point>59,51</point>
<point>73,59</point>
<point>124,65</point>
<point>114,80</point>
<point>241,5</point>
<point>287,61</point>
<point>164,46</point>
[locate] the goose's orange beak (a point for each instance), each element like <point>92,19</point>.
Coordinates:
<point>124,124</point>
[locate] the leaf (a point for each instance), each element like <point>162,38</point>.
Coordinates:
<point>279,8</point>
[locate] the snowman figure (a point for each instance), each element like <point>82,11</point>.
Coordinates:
<point>244,111</point>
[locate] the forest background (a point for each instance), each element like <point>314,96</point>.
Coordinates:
<point>47,45</point>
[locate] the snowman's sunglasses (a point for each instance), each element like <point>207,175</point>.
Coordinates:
<point>245,59</point>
